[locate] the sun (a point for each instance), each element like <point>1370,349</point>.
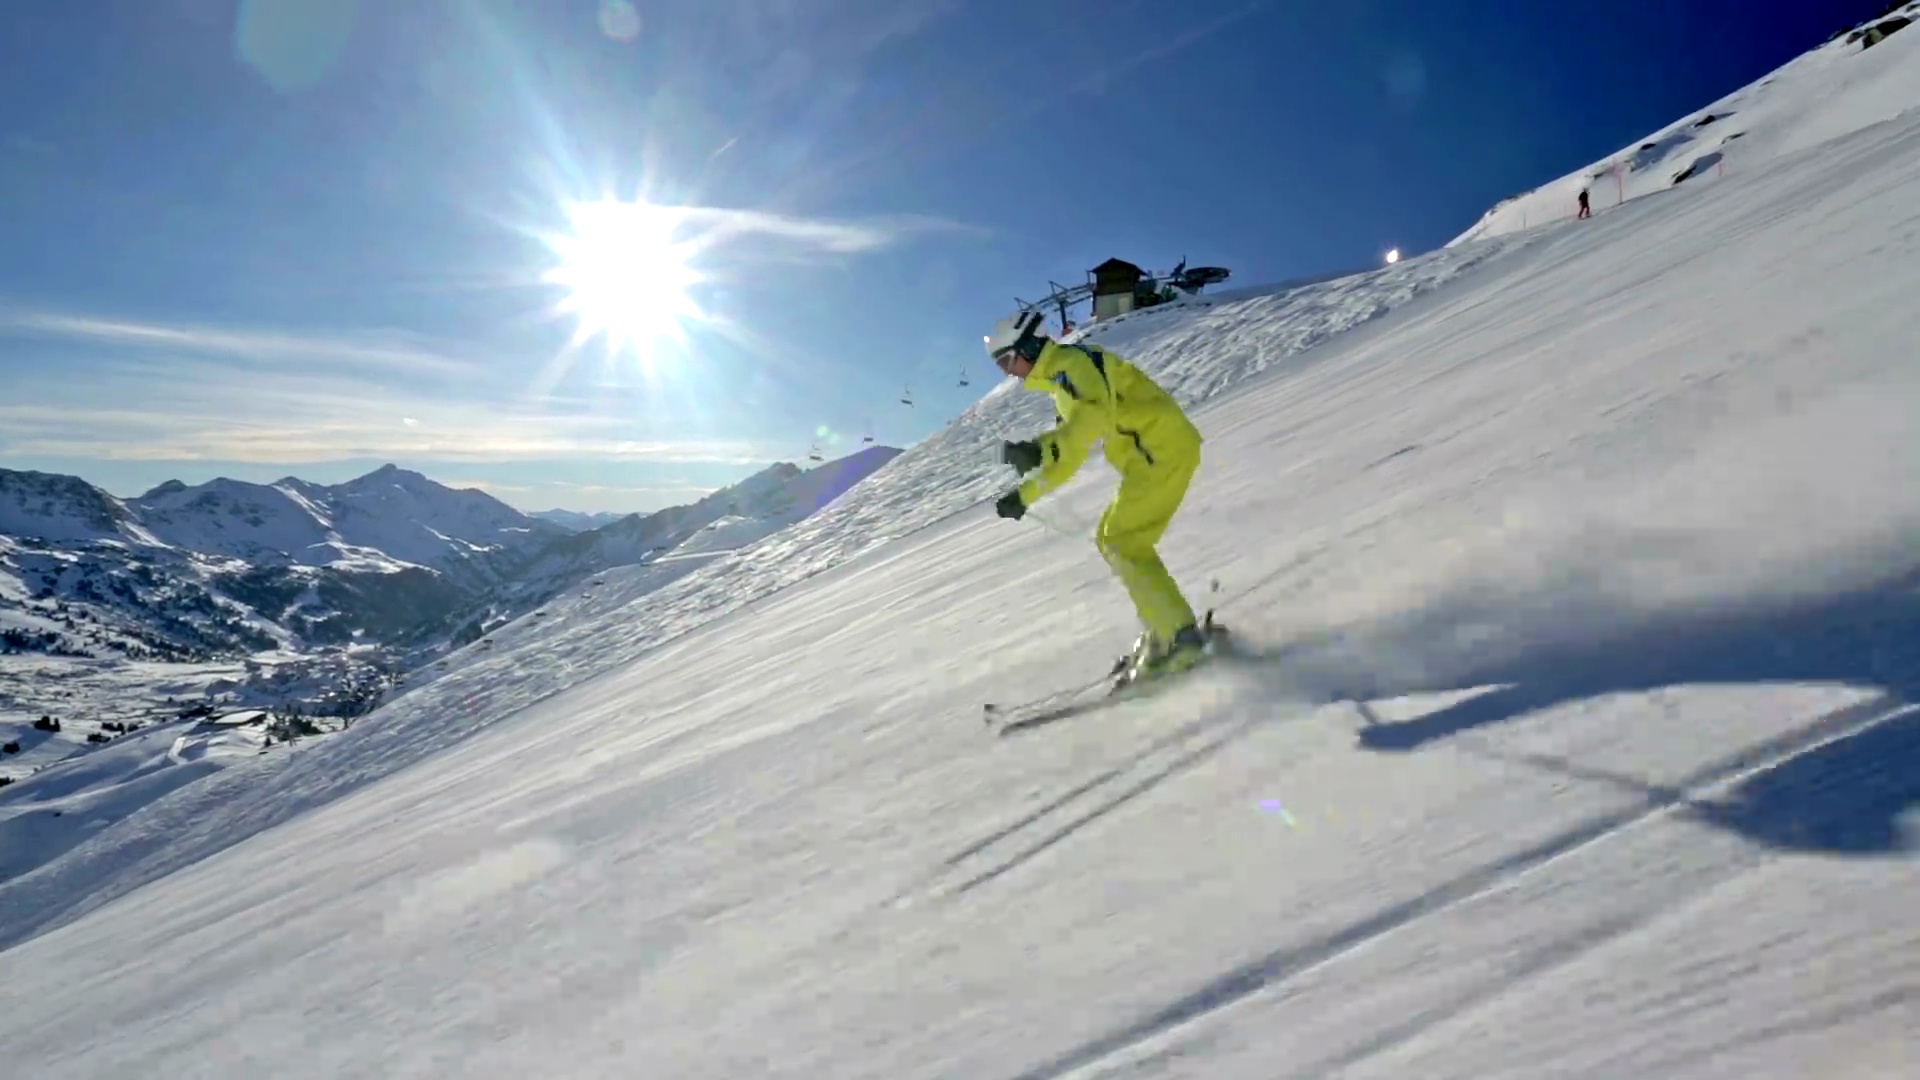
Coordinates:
<point>626,277</point>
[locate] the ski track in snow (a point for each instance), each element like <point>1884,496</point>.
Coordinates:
<point>1160,1033</point>
<point>1579,736</point>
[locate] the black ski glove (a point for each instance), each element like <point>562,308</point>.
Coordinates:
<point>1023,456</point>
<point>1011,505</point>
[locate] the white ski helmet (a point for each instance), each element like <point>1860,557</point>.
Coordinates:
<point>1019,332</point>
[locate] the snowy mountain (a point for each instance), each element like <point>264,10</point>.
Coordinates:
<point>682,538</point>
<point>226,567</point>
<point>1855,80</point>
<point>384,521</point>
<point>1575,572</point>
<point>57,508</point>
<point>577,521</point>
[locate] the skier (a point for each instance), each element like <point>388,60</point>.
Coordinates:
<point>1148,440</point>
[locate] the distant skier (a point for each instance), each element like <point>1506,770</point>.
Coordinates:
<point>1148,440</point>
<point>1586,209</point>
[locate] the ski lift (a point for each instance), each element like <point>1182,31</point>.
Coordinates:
<point>813,453</point>
<point>868,437</point>
<point>963,376</point>
<point>906,396</point>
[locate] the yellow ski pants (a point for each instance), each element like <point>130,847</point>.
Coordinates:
<point>1131,528</point>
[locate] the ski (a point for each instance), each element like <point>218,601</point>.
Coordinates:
<point>1018,718</point>
<point>1109,689</point>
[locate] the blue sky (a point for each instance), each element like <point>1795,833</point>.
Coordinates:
<point>312,236</point>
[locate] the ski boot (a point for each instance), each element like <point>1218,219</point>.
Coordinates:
<point>1188,647</point>
<point>1129,662</point>
<point>1151,659</point>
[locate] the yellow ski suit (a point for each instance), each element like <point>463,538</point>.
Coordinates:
<point>1148,440</point>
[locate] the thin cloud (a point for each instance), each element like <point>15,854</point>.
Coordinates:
<point>122,434</point>
<point>897,21</point>
<point>722,225</point>
<point>790,46</point>
<point>805,72</point>
<point>387,352</point>
<point>920,128</point>
<point>1105,75</point>
<point>203,412</point>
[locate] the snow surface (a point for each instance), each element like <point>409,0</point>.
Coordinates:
<point>85,694</point>
<point>1579,567</point>
<point>43,820</point>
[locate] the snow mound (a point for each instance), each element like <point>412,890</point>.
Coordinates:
<point>95,789</point>
<point>230,741</point>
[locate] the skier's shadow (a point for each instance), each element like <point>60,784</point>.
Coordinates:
<point>1844,796</point>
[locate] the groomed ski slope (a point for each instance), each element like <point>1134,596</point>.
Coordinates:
<point>1589,592</point>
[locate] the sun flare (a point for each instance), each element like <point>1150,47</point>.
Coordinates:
<point>626,277</point>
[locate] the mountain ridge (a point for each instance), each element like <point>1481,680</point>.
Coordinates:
<point>392,557</point>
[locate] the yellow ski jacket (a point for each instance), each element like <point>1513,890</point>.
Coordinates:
<point>1101,397</point>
